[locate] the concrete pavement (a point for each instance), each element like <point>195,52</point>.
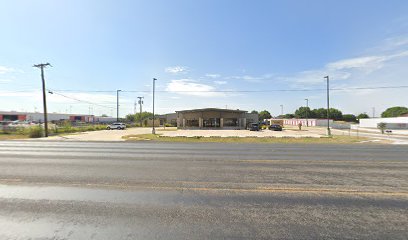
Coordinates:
<point>398,139</point>
<point>96,190</point>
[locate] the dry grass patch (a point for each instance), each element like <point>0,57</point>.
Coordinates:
<point>12,136</point>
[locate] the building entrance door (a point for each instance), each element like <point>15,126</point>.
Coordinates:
<point>212,122</point>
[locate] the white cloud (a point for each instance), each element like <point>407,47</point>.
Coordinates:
<point>212,75</point>
<point>220,82</point>
<point>176,69</point>
<point>26,94</point>
<point>346,69</point>
<point>369,63</point>
<point>394,42</point>
<point>4,70</point>
<point>5,80</point>
<point>251,79</point>
<point>192,88</point>
<point>246,78</point>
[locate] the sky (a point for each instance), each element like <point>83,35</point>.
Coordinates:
<point>249,55</point>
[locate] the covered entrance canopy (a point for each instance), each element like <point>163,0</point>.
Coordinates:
<point>214,118</point>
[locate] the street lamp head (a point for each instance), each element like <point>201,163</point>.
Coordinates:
<point>327,77</point>
<point>154,79</point>
<point>42,65</point>
<point>118,90</point>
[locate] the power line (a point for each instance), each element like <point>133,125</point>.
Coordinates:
<point>80,100</point>
<point>241,91</point>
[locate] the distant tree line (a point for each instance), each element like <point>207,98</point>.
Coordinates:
<point>137,117</point>
<point>335,114</point>
<point>394,112</point>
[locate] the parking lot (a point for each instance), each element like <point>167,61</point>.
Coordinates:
<point>287,132</point>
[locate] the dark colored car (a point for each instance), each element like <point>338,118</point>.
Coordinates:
<point>275,127</point>
<point>254,127</point>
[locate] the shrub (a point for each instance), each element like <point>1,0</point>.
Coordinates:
<point>36,132</point>
<point>382,126</point>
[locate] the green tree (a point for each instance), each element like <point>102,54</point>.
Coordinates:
<point>394,112</point>
<point>362,115</point>
<point>138,117</point>
<point>254,112</point>
<point>321,113</point>
<point>335,114</point>
<point>287,116</point>
<point>349,118</point>
<point>104,115</point>
<point>264,115</point>
<point>304,112</point>
<point>382,126</point>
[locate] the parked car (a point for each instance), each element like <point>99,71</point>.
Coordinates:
<point>254,127</point>
<point>119,126</point>
<point>275,127</point>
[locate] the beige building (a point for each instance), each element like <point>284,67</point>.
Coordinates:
<point>213,118</point>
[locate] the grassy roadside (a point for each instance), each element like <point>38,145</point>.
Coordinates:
<point>324,140</point>
<point>38,131</point>
<point>12,136</point>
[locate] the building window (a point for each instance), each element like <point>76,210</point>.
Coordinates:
<point>10,117</point>
<point>192,123</point>
<point>230,122</point>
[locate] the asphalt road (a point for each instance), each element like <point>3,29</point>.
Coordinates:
<point>85,190</point>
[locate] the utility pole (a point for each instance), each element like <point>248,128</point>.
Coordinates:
<point>328,107</point>
<point>307,115</point>
<point>117,105</point>
<point>42,66</point>
<point>154,82</point>
<point>140,106</point>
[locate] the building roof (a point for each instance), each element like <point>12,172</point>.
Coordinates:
<point>49,113</point>
<point>212,109</point>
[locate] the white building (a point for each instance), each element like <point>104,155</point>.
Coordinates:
<point>391,123</point>
<point>312,122</point>
<point>39,117</point>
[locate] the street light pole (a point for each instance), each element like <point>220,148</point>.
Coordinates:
<point>140,105</point>
<point>307,109</point>
<point>154,82</point>
<point>328,107</point>
<point>117,105</point>
<point>42,66</point>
